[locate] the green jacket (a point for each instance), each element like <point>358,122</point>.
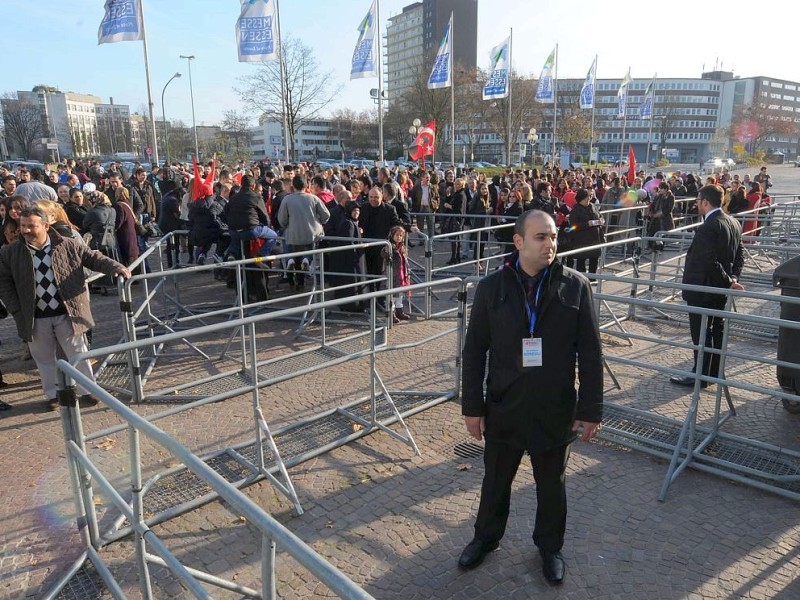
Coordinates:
<point>18,284</point>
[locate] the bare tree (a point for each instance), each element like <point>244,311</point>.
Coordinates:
<point>306,91</point>
<point>24,126</point>
<point>236,126</point>
<point>754,124</point>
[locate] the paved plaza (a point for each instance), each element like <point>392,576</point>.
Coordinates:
<point>394,522</point>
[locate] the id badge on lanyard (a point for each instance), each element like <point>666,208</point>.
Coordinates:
<point>532,346</point>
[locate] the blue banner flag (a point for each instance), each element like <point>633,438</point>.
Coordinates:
<point>587,91</point>
<point>622,95</point>
<point>497,84</point>
<point>365,57</point>
<point>255,31</point>
<point>646,107</point>
<point>122,22</point>
<point>545,93</point>
<point>442,72</point>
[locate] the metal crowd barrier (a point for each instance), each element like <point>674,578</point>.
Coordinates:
<point>685,443</point>
<point>258,459</point>
<point>174,314</point>
<point>150,549</point>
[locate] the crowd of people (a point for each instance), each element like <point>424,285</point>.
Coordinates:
<point>115,210</point>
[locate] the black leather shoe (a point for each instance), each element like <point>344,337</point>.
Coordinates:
<point>552,566</point>
<point>686,381</point>
<point>87,400</point>
<point>475,552</point>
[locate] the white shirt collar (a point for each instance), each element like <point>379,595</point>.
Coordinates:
<point>711,212</point>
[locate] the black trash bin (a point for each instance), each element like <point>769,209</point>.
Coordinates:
<point>787,278</point>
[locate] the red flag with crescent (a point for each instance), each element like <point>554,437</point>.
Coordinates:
<point>425,141</point>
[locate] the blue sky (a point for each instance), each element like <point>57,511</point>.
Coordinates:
<point>55,42</point>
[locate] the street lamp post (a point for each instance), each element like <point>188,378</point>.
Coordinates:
<point>164,118</point>
<point>189,60</point>
<point>533,138</point>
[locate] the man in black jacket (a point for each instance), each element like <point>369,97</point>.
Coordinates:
<point>715,259</point>
<point>534,318</point>
<point>247,219</point>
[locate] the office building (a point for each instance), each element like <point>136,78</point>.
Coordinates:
<point>413,36</point>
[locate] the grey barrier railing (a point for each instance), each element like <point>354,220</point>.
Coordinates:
<point>132,312</point>
<point>373,413</point>
<point>689,448</point>
<point>84,474</point>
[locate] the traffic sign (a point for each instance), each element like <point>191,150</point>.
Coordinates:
<point>52,146</point>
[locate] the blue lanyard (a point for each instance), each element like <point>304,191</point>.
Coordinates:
<point>532,311</point>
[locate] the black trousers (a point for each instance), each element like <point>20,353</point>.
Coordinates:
<point>501,462</point>
<point>714,329</point>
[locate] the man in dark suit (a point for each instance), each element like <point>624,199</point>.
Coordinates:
<point>715,259</point>
<point>530,323</point>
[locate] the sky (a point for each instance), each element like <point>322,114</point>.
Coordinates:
<point>55,42</point>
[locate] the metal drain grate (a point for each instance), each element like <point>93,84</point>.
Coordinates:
<point>468,450</point>
<point>659,435</point>
<point>84,585</point>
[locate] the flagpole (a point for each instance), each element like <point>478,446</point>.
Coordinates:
<point>150,108</point>
<point>555,104</point>
<point>452,99</point>
<point>624,122</point>
<point>508,101</point>
<point>284,115</point>
<point>380,78</point>
<point>594,92</point>
<point>650,130</point>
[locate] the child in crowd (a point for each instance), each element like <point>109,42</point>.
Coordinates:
<point>400,275</point>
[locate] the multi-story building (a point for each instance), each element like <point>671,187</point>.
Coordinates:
<point>413,36</point>
<point>683,127</point>
<point>781,98</point>
<point>81,124</point>
<point>318,138</point>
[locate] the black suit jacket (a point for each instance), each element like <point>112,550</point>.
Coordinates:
<point>715,257</point>
<point>532,407</point>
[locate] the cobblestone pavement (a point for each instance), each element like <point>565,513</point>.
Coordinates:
<point>394,522</point>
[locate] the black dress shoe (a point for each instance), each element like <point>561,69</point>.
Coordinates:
<point>686,381</point>
<point>475,552</point>
<point>5,406</point>
<point>552,566</point>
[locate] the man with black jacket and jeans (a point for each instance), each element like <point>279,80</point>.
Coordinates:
<point>247,219</point>
<point>376,220</point>
<point>533,318</point>
<point>715,259</point>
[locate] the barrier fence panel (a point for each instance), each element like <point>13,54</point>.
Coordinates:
<point>690,436</point>
<point>159,494</point>
<point>84,471</point>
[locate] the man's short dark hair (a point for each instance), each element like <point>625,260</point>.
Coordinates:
<point>319,181</point>
<point>522,220</point>
<point>34,210</point>
<point>711,193</point>
<point>139,170</point>
<point>248,181</point>
<point>37,174</point>
<point>542,187</point>
<point>299,182</point>
<point>9,178</point>
<point>269,173</point>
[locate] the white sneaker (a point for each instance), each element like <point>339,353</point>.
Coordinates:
<point>304,265</point>
<point>201,259</point>
<point>215,258</point>
<point>290,264</point>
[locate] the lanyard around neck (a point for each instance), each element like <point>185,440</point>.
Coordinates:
<point>532,311</point>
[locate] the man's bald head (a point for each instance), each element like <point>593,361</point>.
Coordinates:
<point>524,218</point>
